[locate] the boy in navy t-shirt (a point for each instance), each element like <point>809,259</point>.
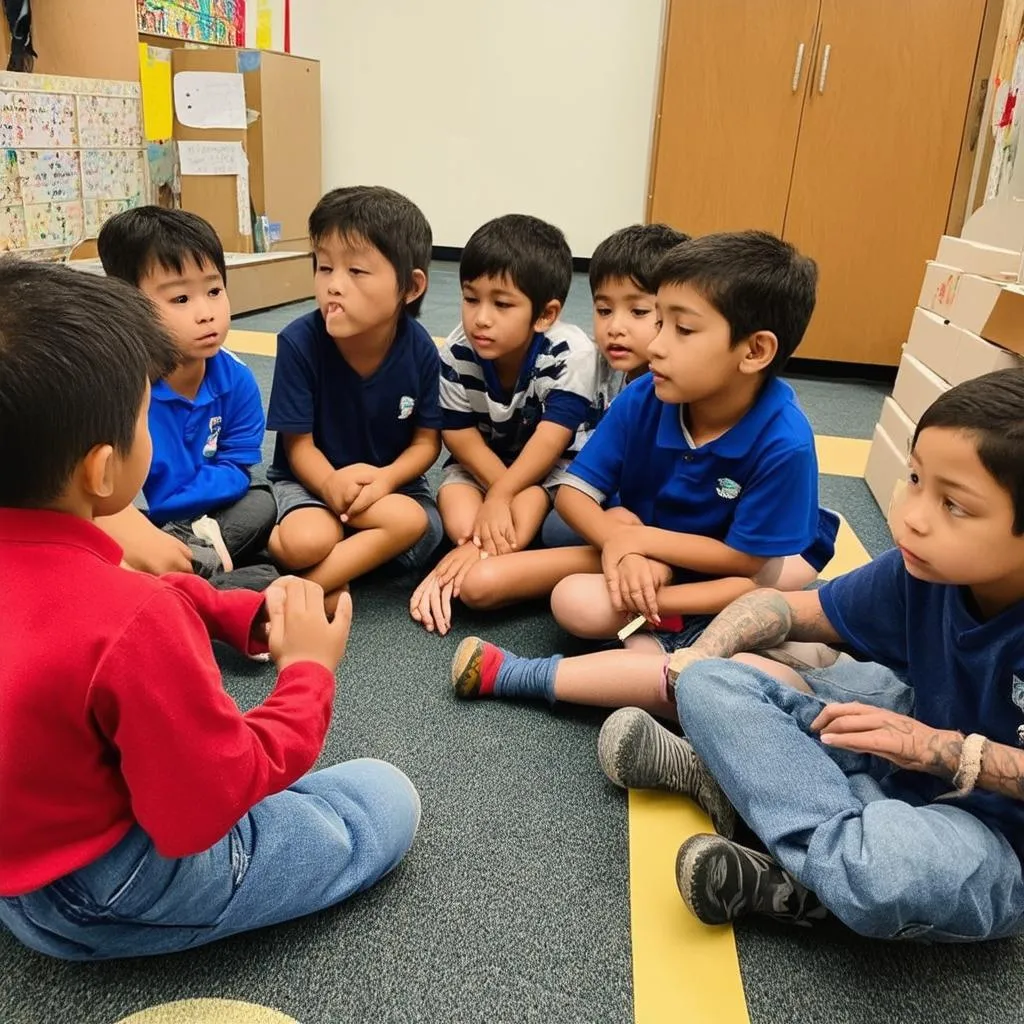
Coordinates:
<point>355,397</point>
<point>712,455</point>
<point>206,417</point>
<point>889,791</point>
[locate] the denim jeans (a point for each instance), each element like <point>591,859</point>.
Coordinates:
<point>333,833</point>
<point>886,864</point>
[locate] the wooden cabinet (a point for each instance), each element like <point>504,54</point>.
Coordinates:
<point>836,124</point>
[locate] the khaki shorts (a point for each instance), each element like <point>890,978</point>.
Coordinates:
<point>455,474</point>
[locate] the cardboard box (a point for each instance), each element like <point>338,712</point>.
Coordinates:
<point>991,310</point>
<point>977,258</point>
<point>255,280</point>
<point>898,426</point>
<point>886,469</point>
<point>916,387</point>
<point>952,353</point>
<point>261,280</point>
<point>939,287</point>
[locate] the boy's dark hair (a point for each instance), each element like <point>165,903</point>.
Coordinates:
<point>531,253</point>
<point>131,243</point>
<point>633,254</point>
<point>991,408</point>
<point>75,352</point>
<point>391,223</point>
<point>755,280</point>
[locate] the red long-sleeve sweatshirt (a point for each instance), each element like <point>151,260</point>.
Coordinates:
<point>112,710</point>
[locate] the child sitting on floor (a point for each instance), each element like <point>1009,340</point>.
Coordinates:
<point>202,512</point>
<point>715,460</point>
<point>355,398</point>
<point>517,385</point>
<point>625,323</point>
<point>143,812</point>
<point>889,792</point>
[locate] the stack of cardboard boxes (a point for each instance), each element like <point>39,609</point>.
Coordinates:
<point>969,320</point>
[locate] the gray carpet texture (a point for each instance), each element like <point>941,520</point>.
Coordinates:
<point>513,905</point>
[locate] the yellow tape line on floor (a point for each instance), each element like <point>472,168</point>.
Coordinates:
<point>683,970</point>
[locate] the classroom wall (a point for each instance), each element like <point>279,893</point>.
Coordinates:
<point>475,108</point>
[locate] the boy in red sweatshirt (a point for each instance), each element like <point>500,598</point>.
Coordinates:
<point>142,811</point>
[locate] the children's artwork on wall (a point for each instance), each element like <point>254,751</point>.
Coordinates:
<point>1007,81</point>
<point>71,155</point>
<point>219,22</point>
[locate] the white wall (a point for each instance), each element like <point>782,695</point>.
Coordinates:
<point>475,108</point>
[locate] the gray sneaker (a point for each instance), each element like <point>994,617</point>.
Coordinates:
<point>635,752</point>
<point>721,881</point>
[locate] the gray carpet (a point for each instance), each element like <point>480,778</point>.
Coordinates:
<point>513,904</point>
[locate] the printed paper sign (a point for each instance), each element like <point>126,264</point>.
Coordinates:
<point>210,99</point>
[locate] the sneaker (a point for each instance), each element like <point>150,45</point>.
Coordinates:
<point>635,752</point>
<point>721,881</point>
<point>468,668</point>
<point>208,529</point>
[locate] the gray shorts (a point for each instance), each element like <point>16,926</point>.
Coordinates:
<point>455,474</point>
<point>290,495</point>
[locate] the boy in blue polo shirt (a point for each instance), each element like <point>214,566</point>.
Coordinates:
<point>890,791</point>
<point>715,458</point>
<point>355,398</point>
<point>205,418</point>
<point>517,385</point>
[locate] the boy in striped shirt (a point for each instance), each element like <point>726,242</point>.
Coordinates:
<point>517,385</point>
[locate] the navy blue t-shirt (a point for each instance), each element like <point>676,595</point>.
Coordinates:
<point>755,488</point>
<point>352,418</point>
<point>966,674</point>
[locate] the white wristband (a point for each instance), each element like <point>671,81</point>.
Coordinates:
<point>967,772</point>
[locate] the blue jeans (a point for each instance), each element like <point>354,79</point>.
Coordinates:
<point>885,864</point>
<point>334,833</point>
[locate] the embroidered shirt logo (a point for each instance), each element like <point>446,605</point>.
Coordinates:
<point>406,404</point>
<point>1017,693</point>
<point>728,489</point>
<point>210,448</point>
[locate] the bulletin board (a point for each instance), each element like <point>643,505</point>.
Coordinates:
<point>72,154</point>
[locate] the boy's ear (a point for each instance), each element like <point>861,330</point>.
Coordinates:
<point>419,286</point>
<point>96,471</point>
<point>548,315</point>
<point>758,351</point>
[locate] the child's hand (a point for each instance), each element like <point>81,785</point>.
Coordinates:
<point>626,540</point>
<point>494,531</point>
<point>372,491</point>
<point>299,630</point>
<point>342,487</point>
<point>633,587</point>
<point>431,605</point>
<point>161,553</point>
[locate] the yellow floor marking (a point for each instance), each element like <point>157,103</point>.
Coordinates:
<point>255,343</point>
<point>842,456</point>
<point>208,1011</point>
<point>683,970</point>
<point>850,553</point>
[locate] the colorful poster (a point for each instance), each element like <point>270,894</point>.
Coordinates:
<point>49,175</point>
<point>43,120</point>
<point>12,228</point>
<point>113,174</point>
<point>10,179</point>
<point>220,22</point>
<point>109,121</point>
<point>51,225</point>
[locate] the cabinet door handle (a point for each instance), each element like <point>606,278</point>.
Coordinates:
<point>826,53</point>
<point>798,67</point>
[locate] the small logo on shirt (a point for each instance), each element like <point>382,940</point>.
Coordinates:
<point>210,448</point>
<point>1018,698</point>
<point>406,404</point>
<point>728,489</point>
